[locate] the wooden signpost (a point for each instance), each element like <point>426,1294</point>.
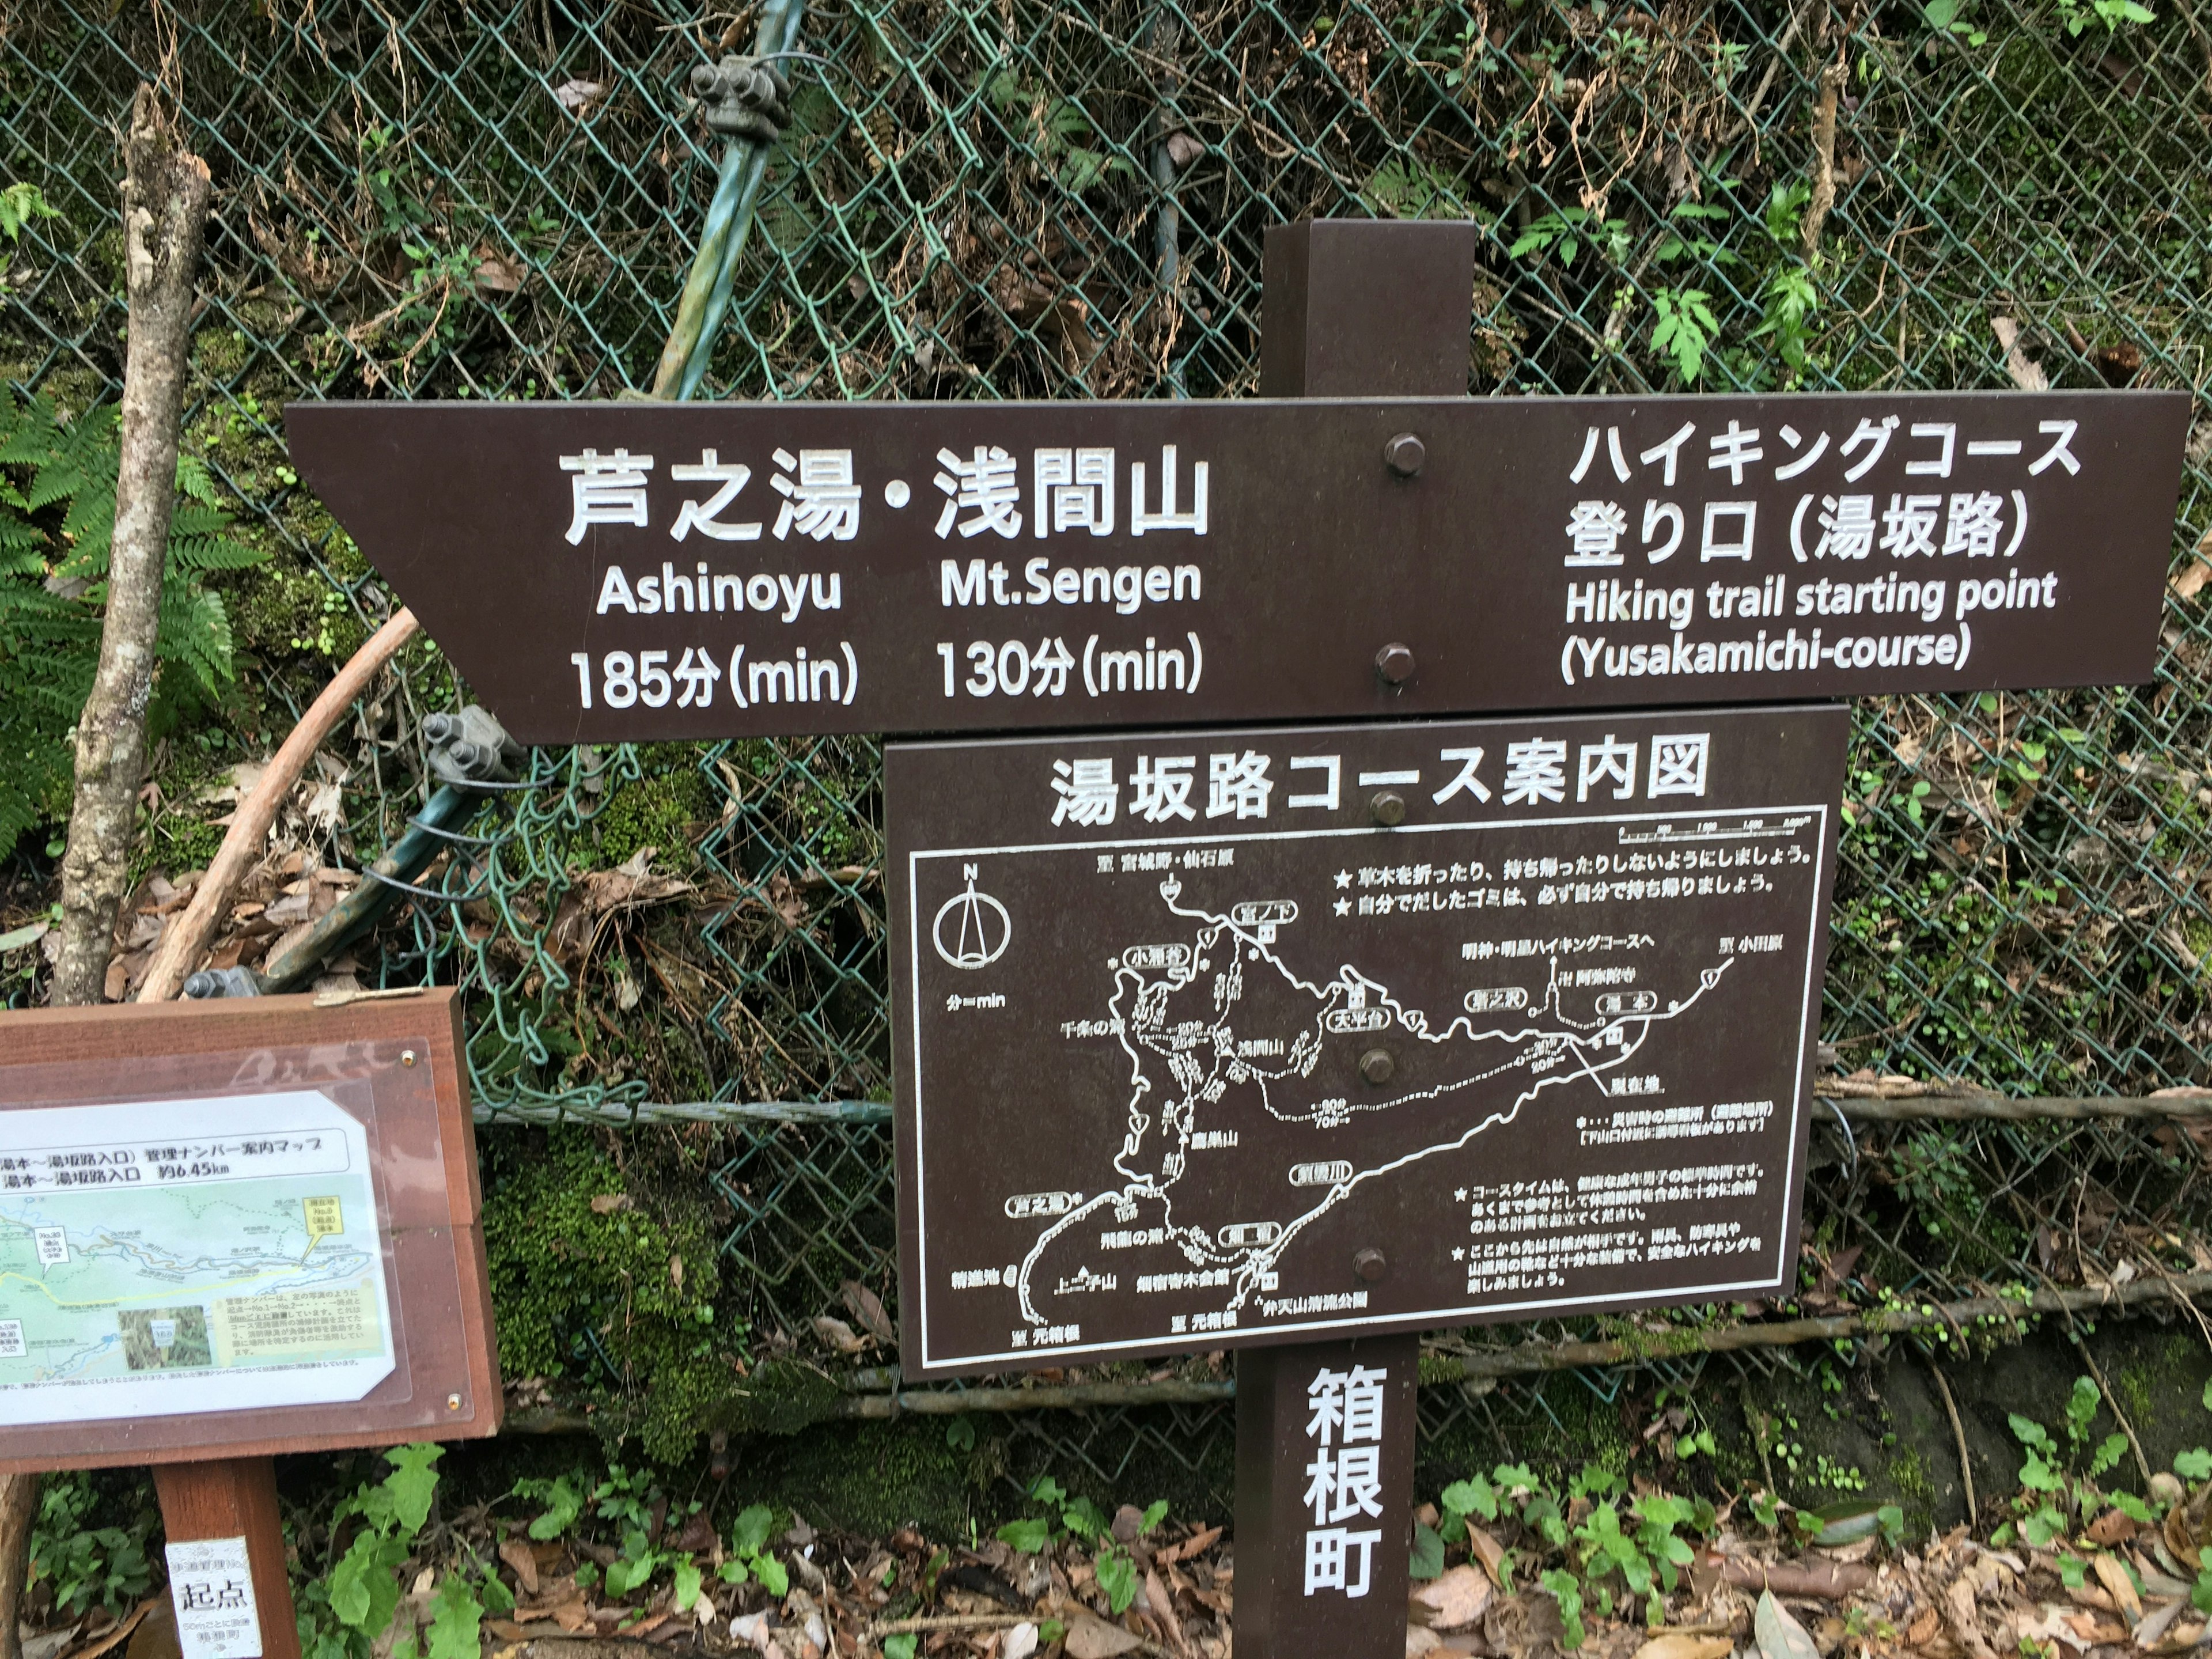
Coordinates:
<point>1299,1039</point>
<point>230,1230</point>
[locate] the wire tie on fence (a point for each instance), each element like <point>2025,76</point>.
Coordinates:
<point>459,835</point>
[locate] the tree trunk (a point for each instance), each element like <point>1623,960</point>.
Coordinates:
<point>19,1507</point>
<point>165,200</point>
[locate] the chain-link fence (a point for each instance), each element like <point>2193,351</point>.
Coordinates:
<point>1000,198</point>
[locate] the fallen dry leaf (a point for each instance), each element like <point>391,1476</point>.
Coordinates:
<point>1676,1644</point>
<point>1488,1551</point>
<point>2114,1578</point>
<point>866,1307</point>
<point>1458,1598</point>
<point>2110,1528</point>
<point>516,1552</point>
<point>1089,1637</point>
<point>1779,1635</point>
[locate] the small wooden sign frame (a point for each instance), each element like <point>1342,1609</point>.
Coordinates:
<point>380,1087</point>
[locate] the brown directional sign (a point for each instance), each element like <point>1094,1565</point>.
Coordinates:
<point>234,1228</point>
<point>602,572</point>
<point>1215,1037</point>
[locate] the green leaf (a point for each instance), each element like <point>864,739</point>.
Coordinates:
<point>1155,1513</point>
<point>1684,329</point>
<point>732,1571</point>
<point>456,1621</point>
<point>900,1646</point>
<point>1082,1517</point>
<point>1117,1577</point>
<point>2029,1432</point>
<point>563,1501</point>
<point>1472,1496</point>
<point>2133,1507</point>
<point>1428,1552</point>
<point>2195,1465</point>
<point>687,1584</point>
<point>1566,1589</point>
<point>412,1483</point>
<point>1027,1536</point>
<point>748,1535</point>
<point>2108,1454</point>
<point>2081,1404</point>
<point>775,1578</point>
<point>2043,1526</point>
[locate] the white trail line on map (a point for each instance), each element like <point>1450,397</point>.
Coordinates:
<point>1567,1047</point>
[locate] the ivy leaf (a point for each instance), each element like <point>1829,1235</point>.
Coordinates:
<point>1027,1536</point>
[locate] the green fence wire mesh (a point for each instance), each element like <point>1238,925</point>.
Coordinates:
<point>1000,198</point>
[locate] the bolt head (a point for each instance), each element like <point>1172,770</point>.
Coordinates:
<point>1404,454</point>
<point>1376,1065</point>
<point>406,1056</point>
<point>1372,1266</point>
<point>1394,663</point>
<point>1388,807</point>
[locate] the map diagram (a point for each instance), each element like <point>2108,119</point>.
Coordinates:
<point>1219,1025</point>
<point>1215,1038</point>
<point>175,1256</point>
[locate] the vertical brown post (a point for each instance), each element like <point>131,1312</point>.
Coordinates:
<point>1325,1497</point>
<point>213,1511</point>
<point>1325,1431</point>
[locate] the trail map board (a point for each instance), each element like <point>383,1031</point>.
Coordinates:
<point>1194,1051</point>
<point>237,1227</point>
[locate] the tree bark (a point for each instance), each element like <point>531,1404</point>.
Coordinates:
<point>165,201</point>
<point>19,1507</point>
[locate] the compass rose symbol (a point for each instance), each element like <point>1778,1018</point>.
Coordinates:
<point>972,929</point>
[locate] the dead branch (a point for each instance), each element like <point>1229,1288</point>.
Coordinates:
<point>186,937</point>
<point>165,201</point>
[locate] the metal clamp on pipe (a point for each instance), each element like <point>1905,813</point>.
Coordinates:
<point>469,754</point>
